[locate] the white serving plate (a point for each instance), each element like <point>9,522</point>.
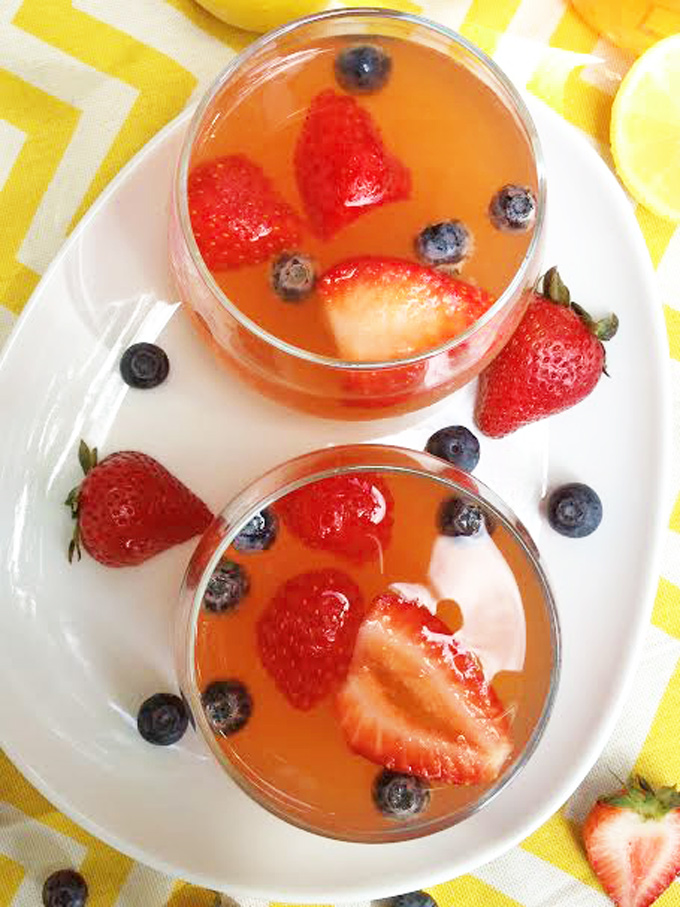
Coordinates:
<point>81,646</point>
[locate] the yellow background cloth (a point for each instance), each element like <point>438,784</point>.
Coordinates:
<point>83,86</point>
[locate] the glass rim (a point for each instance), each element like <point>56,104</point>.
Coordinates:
<point>490,501</point>
<point>180,196</point>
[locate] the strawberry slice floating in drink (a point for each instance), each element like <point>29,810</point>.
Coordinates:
<point>416,702</point>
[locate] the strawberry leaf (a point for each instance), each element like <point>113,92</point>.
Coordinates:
<point>555,288</point>
<point>86,457</point>
<point>640,797</point>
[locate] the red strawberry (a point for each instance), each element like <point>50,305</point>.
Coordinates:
<point>129,508</point>
<point>342,167</point>
<point>349,515</point>
<point>390,308</point>
<point>236,215</point>
<point>306,635</point>
<point>417,702</point>
<point>553,360</point>
<point>632,841</point>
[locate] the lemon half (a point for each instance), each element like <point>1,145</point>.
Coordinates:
<point>645,129</point>
<point>260,15</point>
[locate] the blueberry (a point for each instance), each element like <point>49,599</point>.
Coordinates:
<point>363,68</point>
<point>293,276</point>
<point>163,719</point>
<point>455,444</point>
<point>412,899</point>
<point>258,534</point>
<point>513,208</point>
<point>144,365</point>
<point>460,517</point>
<point>400,796</point>
<point>574,510</point>
<point>65,888</point>
<point>226,587</point>
<point>447,243</point>
<point>228,706</point>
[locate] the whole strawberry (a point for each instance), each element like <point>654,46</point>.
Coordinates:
<point>553,360</point>
<point>237,216</point>
<point>342,167</point>
<point>632,840</point>
<point>129,507</point>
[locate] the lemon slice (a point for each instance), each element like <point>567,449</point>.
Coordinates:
<point>645,129</point>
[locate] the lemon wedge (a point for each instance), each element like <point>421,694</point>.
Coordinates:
<point>645,129</point>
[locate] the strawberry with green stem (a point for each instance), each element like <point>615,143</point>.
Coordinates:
<point>554,360</point>
<point>632,841</point>
<point>129,508</point>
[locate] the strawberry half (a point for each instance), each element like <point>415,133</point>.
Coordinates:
<point>632,840</point>
<point>306,635</point>
<point>417,702</point>
<point>236,215</point>
<point>390,308</point>
<point>129,508</point>
<point>349,515</point>
<point>342,167</point>
<point>553,361</point>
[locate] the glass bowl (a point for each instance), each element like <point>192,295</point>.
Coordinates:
<point>301,758</point>
<point>291,374</point>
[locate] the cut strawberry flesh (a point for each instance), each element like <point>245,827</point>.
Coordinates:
<point>634,858</point>
<point>416,702</point>
<point>381,309</point>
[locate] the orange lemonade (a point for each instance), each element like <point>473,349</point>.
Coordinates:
<point>359,200</point>
<point>374,653</point>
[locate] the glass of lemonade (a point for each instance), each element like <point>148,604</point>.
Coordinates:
<point>357,213</point>
<point>368,643</point>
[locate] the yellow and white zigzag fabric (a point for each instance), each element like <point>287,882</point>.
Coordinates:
<point>84,84</point>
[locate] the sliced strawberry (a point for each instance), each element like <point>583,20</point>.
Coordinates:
<point>349,515</point>
<point>632,841</point>
<point>306,635</point>
<point>417,702</point>
<point>390,308</point>
<point>236,215</point>
<point>341,164</point>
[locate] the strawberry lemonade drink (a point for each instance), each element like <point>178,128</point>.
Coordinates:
<point>368,643</point>
<point>357,213</point>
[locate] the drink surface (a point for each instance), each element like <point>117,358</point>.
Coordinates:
<point>484,588</point>
<point>459,141</point>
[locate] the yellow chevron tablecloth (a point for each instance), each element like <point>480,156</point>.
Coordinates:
<point>83,86</point>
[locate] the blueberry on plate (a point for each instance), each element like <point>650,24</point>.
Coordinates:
<point>228,585</point>
<point>228,706</point>
<point>400,796</point>
<point>64,888</point>
<point>455,444</point>
<point>163,719</point>
<point>412,899</point>
<point>458,516</point>
<point>293,276</point>
<point>144,365</point>
<point>574,510</point>
<point>513,208</point>
<point>363,68</point>
<point>446,243</point>
<point>258,534</point>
